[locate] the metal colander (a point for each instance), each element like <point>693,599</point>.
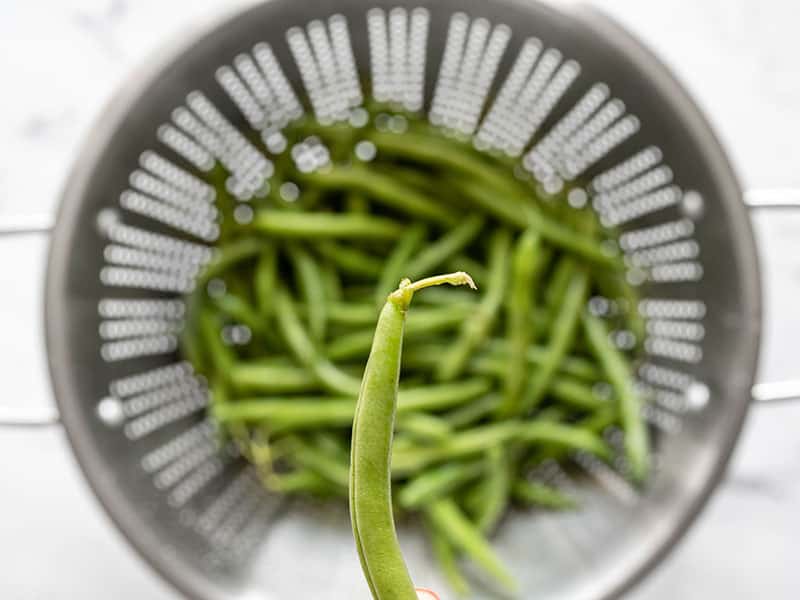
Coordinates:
<point>569,94</point>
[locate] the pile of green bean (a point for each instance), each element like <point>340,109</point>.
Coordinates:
<point>493,382</point>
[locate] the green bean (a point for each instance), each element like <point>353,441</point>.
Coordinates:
<point>459,445</point>
<point>614,287</point>
<point>297,413</point>
<point>575,393</point>
<point>396,264</point>
<point>452,242</point>
<point>443,153</point>
<point>386,190</point>
<point>357,343</point>
<point>532,492</point>
<point>303,480</point>
<point>494,361</point>
<point>630,407</point>
<point>432,398</point>
<point>456,528</point>
<point>557,286</point>
<point>422,181</point>
<point>271,379</point>
<point>289,413</point>
<point>438,482</point>
<point>227,256</point>
<point>575,242</point>
<point>446,557</point>
<point>600,419</point>
<point>265,278</point>
<point>561,338</point>
<point>351,261</point>
<point>474,331</point>
<point>322,463</point>
<point>481,438</point>
<point>348,313</point>
<point>370,478</point>
<point>494,489</point>
<point>336,444</point>
<point>355,202</point>
<point>309,280</point>
<point>575,366</point>
<point>518,213</point>
<point>222,357</point>
<point>524,269</point>
<point>241,311</point>
<point>473,412</point>
<point>301,346</point>
<point>500,205</point>
<point>324,225</point>
<point>424,427</point>
<point>331,281</point>
<point>568,436</point>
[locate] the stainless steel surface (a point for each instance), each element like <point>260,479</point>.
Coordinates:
<point>618,536</point>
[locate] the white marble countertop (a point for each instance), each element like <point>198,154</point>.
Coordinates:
<point>60,61</point>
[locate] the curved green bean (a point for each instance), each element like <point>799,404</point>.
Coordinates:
<point>370,477</point>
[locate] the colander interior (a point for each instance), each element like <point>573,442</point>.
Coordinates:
<point>135,413</point>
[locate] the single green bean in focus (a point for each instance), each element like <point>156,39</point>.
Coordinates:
<point>370,473</point>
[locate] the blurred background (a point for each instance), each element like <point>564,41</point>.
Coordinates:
<point>61,60</point>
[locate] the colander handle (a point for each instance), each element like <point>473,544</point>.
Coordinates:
<point>34,224</point>
<point>773,392</point>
